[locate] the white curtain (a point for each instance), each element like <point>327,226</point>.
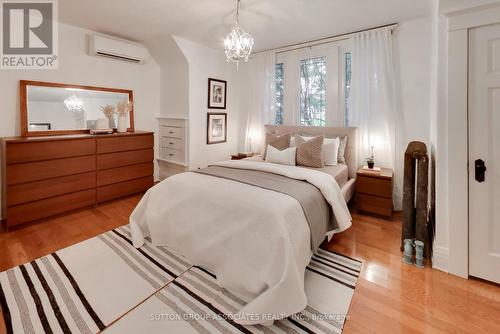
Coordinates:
<point>257,98</point>
<point>373,101</point>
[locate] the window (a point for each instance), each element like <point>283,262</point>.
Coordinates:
<point>313,92</point>
<point>279,94</point>
<point>347,86</point>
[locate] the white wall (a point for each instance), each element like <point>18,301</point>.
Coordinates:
<point>174,77</point>
<point>441,241</point>
<point>207,63</point>
<point>77,67</point>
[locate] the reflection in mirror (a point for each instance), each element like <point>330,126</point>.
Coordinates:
<point>64,108</point>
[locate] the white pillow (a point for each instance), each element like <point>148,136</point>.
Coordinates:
<point>285,157</point>
<point>330,149</point>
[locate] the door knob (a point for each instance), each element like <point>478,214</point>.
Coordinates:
<point>480,169</point>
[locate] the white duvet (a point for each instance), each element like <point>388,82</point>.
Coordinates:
<point>256,241</point>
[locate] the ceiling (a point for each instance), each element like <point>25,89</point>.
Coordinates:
<point>273,23</point>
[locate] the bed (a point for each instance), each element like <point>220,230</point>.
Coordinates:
<point>351,153</point>
<point>253,224</point>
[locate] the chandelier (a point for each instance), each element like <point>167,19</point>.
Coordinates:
<point>73,103</point>
<point>238,44</point>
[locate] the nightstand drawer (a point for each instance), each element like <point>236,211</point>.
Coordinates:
<point>373,204</point>
<point>374,186</point>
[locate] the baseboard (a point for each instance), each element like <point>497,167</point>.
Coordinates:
<point>440,258</point>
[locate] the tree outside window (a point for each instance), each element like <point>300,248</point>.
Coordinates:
<point>313,92</point>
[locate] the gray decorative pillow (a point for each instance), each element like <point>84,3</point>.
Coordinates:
<point>279,142</point>
<point>342,146</point>
<point>310,152</point>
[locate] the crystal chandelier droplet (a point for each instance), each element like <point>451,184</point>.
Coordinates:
<point>73,103</point>
<point>238,44</point>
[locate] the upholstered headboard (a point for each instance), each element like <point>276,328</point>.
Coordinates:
<point>351,154</point>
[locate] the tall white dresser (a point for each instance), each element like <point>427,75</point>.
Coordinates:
<point>174,146</point>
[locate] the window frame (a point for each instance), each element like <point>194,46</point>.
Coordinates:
<point>334,54</point>
<point>344,50</point>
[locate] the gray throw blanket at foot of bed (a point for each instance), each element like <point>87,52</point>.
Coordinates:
<point>317,211</point>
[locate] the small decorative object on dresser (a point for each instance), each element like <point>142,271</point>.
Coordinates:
<point>374,191</point>
<point>122,109</point>
<point>174,146</point>
<point>108,110</point>
<point>217,94</point>
<point>216,128</point>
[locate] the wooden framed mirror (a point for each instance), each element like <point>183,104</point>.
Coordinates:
<point>49,109</point>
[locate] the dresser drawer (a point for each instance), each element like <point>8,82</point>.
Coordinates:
<point>172,132</point>
<point>374,186</point>
<point>175,122</point>
<point>118,159</point>
<point>126,173</point>
<point>374,204</point>
<point>33,191</point>
<point>124,143</point>
<point>173,155</point>
<point>35,171</point>
<point>45,150</point>
<point>173,143</point>
<point>121,189</point>
<point>48,207</point>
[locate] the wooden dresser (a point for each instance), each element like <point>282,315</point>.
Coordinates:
<point>374,191</point>
<point>45,176</point>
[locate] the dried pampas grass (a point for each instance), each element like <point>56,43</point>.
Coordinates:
<point>123,108</point>
<point>108,110</point>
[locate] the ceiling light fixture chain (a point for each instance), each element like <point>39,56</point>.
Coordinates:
<point>238,44</point>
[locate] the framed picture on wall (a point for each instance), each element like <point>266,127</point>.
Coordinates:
<point>216,128</point>
<point>217,94</point>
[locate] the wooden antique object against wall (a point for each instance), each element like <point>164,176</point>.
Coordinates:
<point>415,193</point>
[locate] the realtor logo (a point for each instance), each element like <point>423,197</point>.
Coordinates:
<point>29,34</point>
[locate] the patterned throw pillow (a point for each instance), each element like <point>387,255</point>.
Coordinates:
<point>342,146</point>
<point>330,149</point>
<point>279,142</point>
<point>310,152</point>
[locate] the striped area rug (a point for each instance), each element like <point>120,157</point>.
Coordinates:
<point>194,303</point>
<point>85,287</point>
<point>105,284</point>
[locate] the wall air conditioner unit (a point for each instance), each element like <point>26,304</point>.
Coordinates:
<point>117,49</point>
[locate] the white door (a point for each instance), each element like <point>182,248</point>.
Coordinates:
<point>484,145</point>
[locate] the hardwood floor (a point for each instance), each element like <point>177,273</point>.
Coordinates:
<point>390,297</point>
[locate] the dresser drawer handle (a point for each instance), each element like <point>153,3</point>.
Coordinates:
<point>171,143</point>
<point>171,132</point>
<point>171,154</point>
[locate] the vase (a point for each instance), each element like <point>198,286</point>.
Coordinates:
<point>122,124</point>
<point>371,164</point>
<point>112,123</point>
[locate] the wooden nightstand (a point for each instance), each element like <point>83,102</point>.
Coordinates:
<point>374,191</point>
